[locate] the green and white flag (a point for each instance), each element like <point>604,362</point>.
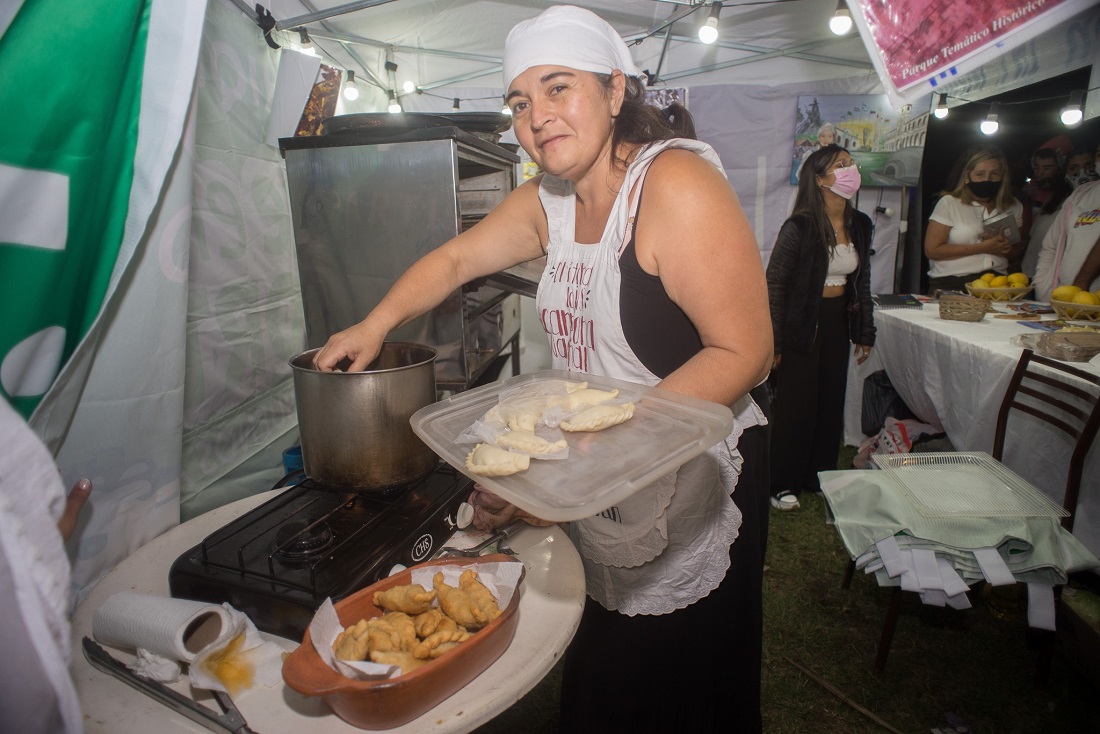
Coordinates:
<point>71,89</point>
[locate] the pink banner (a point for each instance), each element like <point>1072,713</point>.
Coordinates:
<point>918,41</point>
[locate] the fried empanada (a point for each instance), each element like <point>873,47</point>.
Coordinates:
<point>427,622</point>
<point>442,635</point>
<point>402,659</point>
<point>490,461</point>
<point>383,636</point>
<point>443,649</point>
<point>599,417</point>
<point>410,599</point>
<point>403,625</point>
<point>471,604</point>
<point>352,643</point>
<point>529,442</point>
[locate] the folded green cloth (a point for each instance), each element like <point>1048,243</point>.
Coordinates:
<point>868,506</point>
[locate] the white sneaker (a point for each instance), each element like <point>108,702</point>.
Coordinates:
<point>785,501</point>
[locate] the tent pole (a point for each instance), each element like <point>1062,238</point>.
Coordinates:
<point>282,25</point>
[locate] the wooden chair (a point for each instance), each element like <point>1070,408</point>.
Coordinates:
<point>1060,400</point>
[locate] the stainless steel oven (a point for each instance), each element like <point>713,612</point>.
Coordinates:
<point>367,204</point>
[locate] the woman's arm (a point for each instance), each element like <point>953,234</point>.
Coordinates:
<point>695,237</point>
<point>936,246</point>
<point>783,264</point>
<point>512,233</point>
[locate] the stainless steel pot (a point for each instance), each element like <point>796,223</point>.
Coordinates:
<point>355,427</point>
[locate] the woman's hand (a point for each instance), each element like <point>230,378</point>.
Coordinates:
<point>360,344</point>
<point>861,352</point>
<point>996,245</point>
<point>74,503</point>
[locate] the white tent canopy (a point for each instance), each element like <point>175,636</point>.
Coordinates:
<point>443,44</point>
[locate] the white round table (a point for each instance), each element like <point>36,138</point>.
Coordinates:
<point>551,601</point>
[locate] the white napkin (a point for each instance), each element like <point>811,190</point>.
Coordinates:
<point>166,631</point>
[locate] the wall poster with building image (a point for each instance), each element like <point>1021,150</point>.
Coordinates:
<point>887,143</point>
<point>662,97</point>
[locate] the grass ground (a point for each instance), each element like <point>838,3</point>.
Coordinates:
<point>968,664</point>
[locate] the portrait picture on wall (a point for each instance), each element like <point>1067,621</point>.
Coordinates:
<point>887,143</point>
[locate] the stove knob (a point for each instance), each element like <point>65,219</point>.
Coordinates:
<point>398,568</point>
<point>464,516</point>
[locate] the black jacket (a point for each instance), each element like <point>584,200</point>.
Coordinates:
<point>796,277</point>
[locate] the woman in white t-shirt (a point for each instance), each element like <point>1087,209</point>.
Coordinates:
<point>959,249</point>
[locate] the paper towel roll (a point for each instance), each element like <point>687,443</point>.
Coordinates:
<point>174,628</point>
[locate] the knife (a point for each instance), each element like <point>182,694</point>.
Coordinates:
<point>229,722</point>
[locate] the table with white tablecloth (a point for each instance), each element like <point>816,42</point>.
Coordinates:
<point>953,374</point>
<point>551,602</point>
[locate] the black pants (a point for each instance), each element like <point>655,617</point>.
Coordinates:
<point>611,680</point>
<point>808,404</point>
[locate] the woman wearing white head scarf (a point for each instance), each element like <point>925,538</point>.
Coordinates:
<point>660,284</point>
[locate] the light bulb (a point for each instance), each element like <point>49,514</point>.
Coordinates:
<point>841,22</point>
<point>989,124</point>
<point>456,106</point>
<point>1071,117</point>
<point>708,32</point>
<point>408,86</point>
<point>394,107</point>
<point>351,92</point>
<point>941,108</point>
<point>506,110</point>
<point>1071,113</point>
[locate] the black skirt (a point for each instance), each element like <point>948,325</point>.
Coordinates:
<point>694,670</point>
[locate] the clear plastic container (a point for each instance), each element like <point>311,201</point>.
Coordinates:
<point>604,467</point>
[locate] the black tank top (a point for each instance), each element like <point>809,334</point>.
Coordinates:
<point>659,332</point>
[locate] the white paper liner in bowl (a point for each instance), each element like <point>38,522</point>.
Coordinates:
<point>500,578</point>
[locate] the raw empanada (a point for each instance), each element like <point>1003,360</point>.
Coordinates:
<point>490,461</point>
<point>599,417</point>
<point>590,396</point>
<point>529,443</point>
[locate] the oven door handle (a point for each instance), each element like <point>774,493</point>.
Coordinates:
<point>230,722</point>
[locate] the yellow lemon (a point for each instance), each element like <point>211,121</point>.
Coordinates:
<point>988,277</point>
<point>999,282</point>
<point>1064,293</point>
<point>1086,299</point>
<point>979,284</point>
<point>1018,279</point>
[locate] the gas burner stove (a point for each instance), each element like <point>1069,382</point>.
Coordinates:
<point>278,562</point>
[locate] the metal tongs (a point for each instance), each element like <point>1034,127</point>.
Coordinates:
<point>230,721</point>
<point>501,534</point>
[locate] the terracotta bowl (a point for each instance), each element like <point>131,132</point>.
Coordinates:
<point>389,703</point>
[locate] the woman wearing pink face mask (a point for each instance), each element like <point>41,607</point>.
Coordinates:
<point>819,290</point>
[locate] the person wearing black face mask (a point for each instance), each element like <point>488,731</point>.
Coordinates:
<point>1046,190</point>
<point>959,249</point>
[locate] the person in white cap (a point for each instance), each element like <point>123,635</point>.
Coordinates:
<point>659,284</point>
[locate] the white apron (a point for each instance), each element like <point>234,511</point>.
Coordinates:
<point>667,545</point>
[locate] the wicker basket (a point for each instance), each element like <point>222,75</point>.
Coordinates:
<point>963,308</point>
<point>1075,311</point>
<point>1006,293</point>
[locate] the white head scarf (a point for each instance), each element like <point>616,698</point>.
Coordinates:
<point>565,35</point>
